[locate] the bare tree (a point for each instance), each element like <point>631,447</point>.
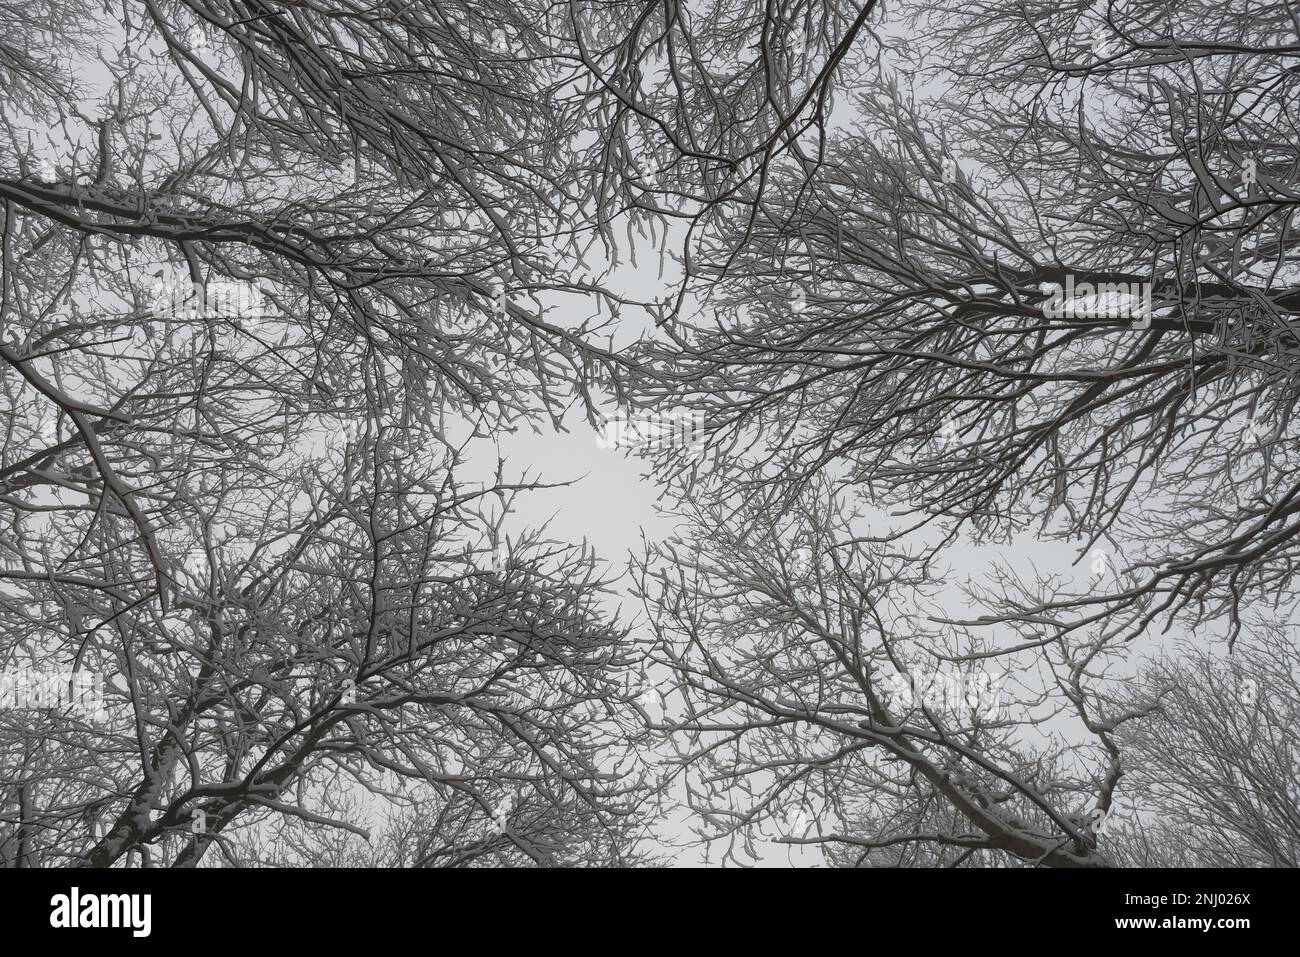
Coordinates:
<point>1042,287</point>
<point>265,268</point>
<point>1217,764</point>
<point>382,638</point>
<point>897,308</point>
<point>814,699</point>
<point>934,279</point>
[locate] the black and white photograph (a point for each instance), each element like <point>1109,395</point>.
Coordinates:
<point>650,434</point>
